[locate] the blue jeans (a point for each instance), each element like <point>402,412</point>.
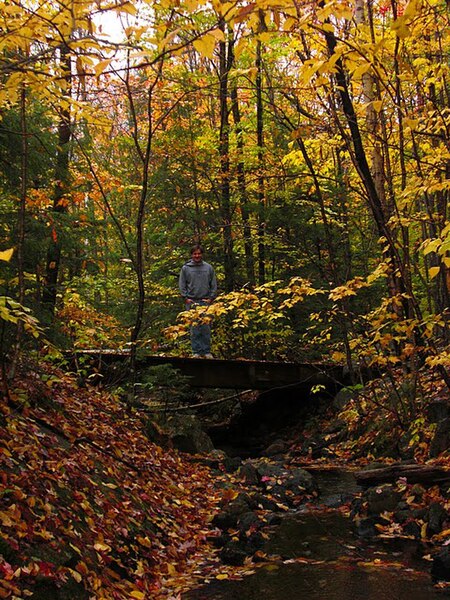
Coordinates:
<point>200,334</point>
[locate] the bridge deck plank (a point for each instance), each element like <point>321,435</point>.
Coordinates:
<point>237,374</point>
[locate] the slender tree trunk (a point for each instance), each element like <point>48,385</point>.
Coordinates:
<point>243,196</point>
<point>144,154</point>
<point>197,229</point>
<point>398,280</point>
<point>261,181</point>
<point>225,63</point>
<point>61,187</point>
<point>438,207</point>
<point>21,227</point>
<point>23,194</point>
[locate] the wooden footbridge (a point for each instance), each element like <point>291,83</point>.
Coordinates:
<point>230,374</point>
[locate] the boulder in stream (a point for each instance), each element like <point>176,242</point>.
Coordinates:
<point>381,498</point>
<point>440,569</point>
<point>182,432</point>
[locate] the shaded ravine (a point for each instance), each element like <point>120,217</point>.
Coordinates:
<point>321,558</point>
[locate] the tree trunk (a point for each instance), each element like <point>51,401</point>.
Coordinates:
<point>61,186</point>
<point>399,279</point>
<point>197,228</point>
<point>243,196</point>
<point>138,261</point>
<point>225,63</point>
<point>261,182</point>
<point>21,227</point>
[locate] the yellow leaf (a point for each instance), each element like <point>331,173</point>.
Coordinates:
<point>433,271</point>
<point>401,29</point>
<point>6,254</point>
<point>290,23</point>
<point>222,576</point>
<point>205,45</point>
<point>359,71</point>
<point>101,66</point>
<point>190,5</point>
<point>431,245</point>
<point>411,123</point>
<point>137,594</point>
<point>265,36</point>
<point>412,8</point>
<point>218,35</point>
<point>102,547</point>
<point>127,7</point>
<point>423,531</point>
<point>144,541</point>
<point>76,575</point>
<point>442,535</point>
<point>377,105</point>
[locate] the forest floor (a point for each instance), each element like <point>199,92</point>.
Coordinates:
<point>90,508</point>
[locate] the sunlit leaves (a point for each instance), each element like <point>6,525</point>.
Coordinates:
<point>349,289</point>
<point>6,255</point>
<point>297,290</point>
<point>205,45</point>
<point>13,312</point>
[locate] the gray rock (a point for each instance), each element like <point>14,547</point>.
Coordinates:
<point>440,569</point>
<point>342,398</point>
<point>249,474</point>
<point>248,520</point>
<point>437,515</point>
<point>229,516</point>
<point>231,464</point>
<point>381,498</point>
<point>276,448</point>
<point>438,410</point>
<point>441,440</point>
<point>181,432</point>
<point>300,480</point>
<point>366,528</point>
<point>234,553</point>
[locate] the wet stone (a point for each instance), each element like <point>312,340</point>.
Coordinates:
<point>437,515</point>
<point>231,464</point>
<point>440,569</point>
<point>248,520</point>
<point>233,553</point>
<point>383,498</point>
<point>249,474</point>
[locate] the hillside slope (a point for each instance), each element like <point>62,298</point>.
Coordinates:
<point>88,506</point>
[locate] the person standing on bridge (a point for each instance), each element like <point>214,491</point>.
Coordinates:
<point>198,286</point>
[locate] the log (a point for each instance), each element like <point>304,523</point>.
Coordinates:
<point>428,474</point>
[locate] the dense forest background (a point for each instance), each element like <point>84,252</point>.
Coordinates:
<point>304,144</point>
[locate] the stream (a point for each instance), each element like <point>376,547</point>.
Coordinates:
<point>321,558</point>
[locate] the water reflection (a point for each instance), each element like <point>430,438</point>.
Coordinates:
<point>322,582</point>
<point>348,566</point>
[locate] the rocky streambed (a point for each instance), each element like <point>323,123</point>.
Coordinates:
<point>294,521</point>
<point>290,533</point>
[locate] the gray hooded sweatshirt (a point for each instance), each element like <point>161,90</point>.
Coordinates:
<point>197,281</point>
